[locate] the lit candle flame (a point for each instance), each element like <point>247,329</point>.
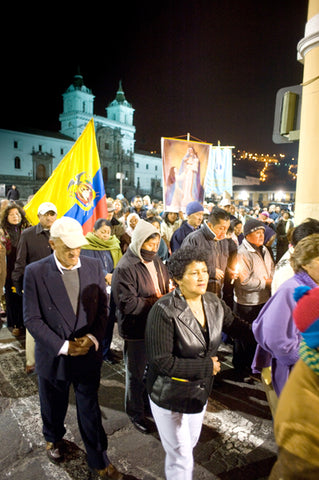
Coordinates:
<point>236,271</point>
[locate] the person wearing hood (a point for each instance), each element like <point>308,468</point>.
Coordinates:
<point>126,238</point>
<point>139,280</point>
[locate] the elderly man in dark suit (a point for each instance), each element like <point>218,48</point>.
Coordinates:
<point>65,311</point>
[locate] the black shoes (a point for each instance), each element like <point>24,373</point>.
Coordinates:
<point>55,452</point>
<point>140,425</point>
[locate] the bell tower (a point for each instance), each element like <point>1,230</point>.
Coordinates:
<point>120,110</point>
<point>78,102</point>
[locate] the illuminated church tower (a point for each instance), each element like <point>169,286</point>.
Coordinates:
<point>120,110</point>
<point>78,103</point>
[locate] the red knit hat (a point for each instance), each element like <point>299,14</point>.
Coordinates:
<point>306,314</point>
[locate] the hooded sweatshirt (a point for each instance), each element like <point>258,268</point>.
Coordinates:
<point>137,285</point>
<point>141,232</point>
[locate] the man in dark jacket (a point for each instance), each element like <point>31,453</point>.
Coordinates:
<point>33,245</point>
<point>138,207</point>
<point>195,215</point>
<point>13,194</point>
<point>212,238</point>
<point>65,310</point>
<point>138,281</point>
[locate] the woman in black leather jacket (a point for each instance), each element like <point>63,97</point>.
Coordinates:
<point>183,333</point>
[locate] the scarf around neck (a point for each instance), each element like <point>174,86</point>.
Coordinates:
<point>310,356</point>
<point>112,244</point>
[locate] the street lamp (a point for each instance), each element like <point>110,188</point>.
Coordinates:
<point>120,176</point>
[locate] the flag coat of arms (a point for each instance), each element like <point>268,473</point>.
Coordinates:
<point>76,185</point>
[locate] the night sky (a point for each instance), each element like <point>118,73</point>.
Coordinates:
<point>210,68</point>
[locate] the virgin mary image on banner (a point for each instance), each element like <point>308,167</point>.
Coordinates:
<point>184,170</point>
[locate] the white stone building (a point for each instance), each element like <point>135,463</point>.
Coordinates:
<point>27,158</point>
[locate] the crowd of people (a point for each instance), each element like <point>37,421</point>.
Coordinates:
<point>177,283</point>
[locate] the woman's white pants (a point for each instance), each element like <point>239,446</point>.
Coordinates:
<point>179,433</point>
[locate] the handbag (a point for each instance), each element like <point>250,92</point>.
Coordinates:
<point>178,395</point>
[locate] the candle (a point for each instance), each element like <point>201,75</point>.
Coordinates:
<point>236,271</point>
<point>171,285</point>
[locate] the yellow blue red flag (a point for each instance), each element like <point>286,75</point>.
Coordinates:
<point>76,185</point>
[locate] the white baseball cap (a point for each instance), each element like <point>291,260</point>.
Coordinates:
<point>69,231</point>
<point>47,207</point>
<point>225,202</point>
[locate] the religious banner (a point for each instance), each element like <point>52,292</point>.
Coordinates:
<point>219,175</point>
<point>184,169</point>
<point>76,185</point>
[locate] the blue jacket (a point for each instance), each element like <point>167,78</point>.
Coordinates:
<point>179,235</point>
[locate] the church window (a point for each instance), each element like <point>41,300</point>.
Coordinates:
<point>40,148</point>
<point>17,162</point>
<point>61,151</point>
<point>83,107</point>
<point>15,144</point>
<point>147,166</point>
<point>107,146</point>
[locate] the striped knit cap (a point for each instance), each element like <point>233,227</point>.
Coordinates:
<point>306,314</point>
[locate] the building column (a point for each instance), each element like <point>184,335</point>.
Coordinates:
<point>307,189</point>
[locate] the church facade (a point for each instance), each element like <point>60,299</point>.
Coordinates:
<point>27,158</point>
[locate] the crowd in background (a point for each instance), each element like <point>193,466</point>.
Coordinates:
<point>256,258</point>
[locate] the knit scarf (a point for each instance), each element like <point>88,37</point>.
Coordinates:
<point>310,356</point>
<point>112,244</point>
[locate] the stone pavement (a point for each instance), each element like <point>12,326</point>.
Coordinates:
<point>236,442</point>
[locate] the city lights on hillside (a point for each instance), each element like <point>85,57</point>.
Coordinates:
<point>268,160</point>
<point>259,157</point>
<point>292,171</point>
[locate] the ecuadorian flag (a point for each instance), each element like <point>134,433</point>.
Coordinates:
<point>76,185</point>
